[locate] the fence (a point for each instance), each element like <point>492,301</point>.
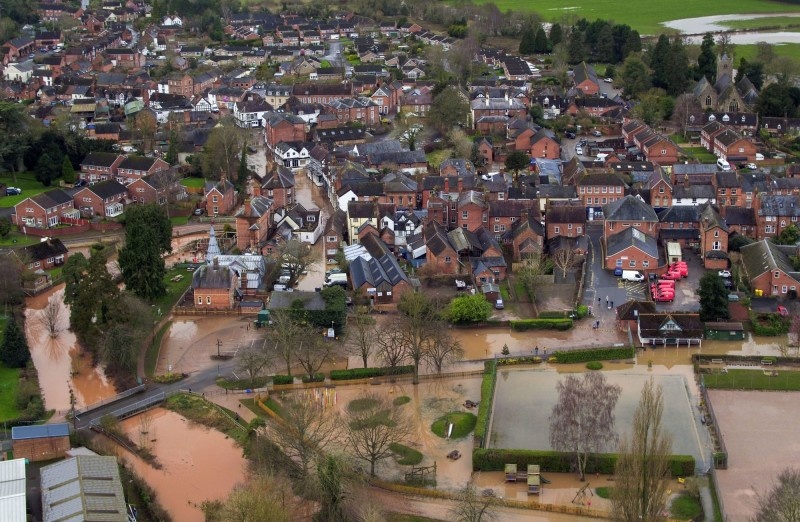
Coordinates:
<point>133,409</point>
<point>713,474</point>
<point>110,400</point>
<point>721,452</point>
<point>72,230</point>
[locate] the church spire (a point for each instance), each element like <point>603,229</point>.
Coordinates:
<point>213,248</point>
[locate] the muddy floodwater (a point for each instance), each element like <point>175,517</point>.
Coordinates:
<point>199,463</point>
<point>714,24</point>
<point>58,359</point>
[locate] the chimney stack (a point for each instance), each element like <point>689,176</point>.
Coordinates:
<point>460,184</point>
<point>447,184</point>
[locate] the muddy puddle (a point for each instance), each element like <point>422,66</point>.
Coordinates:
<point>57,358</point>
<point>199,463</point>
<point>188,345</point>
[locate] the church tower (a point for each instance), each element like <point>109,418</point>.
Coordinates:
<point>724,66</point>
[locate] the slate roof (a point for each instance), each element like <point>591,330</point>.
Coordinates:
<point>401,158</point>
<point>208,276</point>
<point>52,198</point>
<point>137,163</point>
<point>694,192</point>
<point>284,300</point>
<point>281,177</point>
<point>107,189</point>
<point>631,237</point>
<point>631,310</point>
<point>764,256</point>
<point>100,159</point>
<point>629,208</point>
<point>740,216</point>
<point>602,179</point>
<point>650,325</point>
<point>777,205</point>
<point>710,218</point>
<point>679,169</point>
<point>566,214</point>
<point>583,72</point>
<point>727,179</point>
<point>680,214</point>
<point>381,268</point>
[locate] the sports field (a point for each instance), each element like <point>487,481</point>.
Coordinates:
<point>524,400</point>
<point>643,15</point>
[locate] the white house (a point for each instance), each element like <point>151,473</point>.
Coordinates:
<point>251,111</point>
<point>292,155</point>
<point>20,72</point>
<point>171,21</point>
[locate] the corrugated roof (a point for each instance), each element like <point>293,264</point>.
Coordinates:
<point>12,491</point>
<point>39,431</point>
<point>83,488</point>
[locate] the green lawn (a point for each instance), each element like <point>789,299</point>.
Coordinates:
<point>179,220</point>
<point>749,52</point>
<point>463,424</point>
<point>405,456</point>
<point>770,22</point>
<point>18,239</point>
<point>754,380</point>
<point>175,290</point>
<point>196,183</point>
<point>700,154</point>
<point>644,16</point>
<point>27,182</point>
<point>686,507</point>
<point>9,381</point>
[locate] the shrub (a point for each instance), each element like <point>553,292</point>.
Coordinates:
<point>685,507</point>
<point>468,309</point>
<point>405,456</point>
<point>769,324</point>
<point>366,373</point>
<point>582,311</point>
<point>487,394</point>
<point>282,379</point>
<point>594,365</point>
<point>363,404</point>
<point>603,492</point>
<point>541,324</point>
<point>317,377</point>
<point>597,354</point>
<point>169,378</point>
<point>552,314</point>
<point>558,462</point>
<point>509,361</point>
<point>399,401</point>
<point>463,424</point>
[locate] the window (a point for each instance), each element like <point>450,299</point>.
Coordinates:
<point>605,190</point>
<point>556,230</point>
<point>784,289</point>
<point>733,192</point>
<point>485,218</point>
<point>777,274</point>
<point>446,259</point>
<point>619,190</point>
<point>453,205</point>
<point>723,191</point>
<point>464,226</point>
<point>502,228</point>
<point>214,199</point>
<point>216,209</point>
<point>716,233</point>
<point>645,263</point>
<point>583,190</point>
<point>569,226</point>
<point>331,239</point>
<point>465,215</point>
<point>501,196</point>
<point>632,263</point>
<point>208,299</point>
<point>663,152</point>
<point>497,228</point>
<point>716,245</point>
<point>580,230</point>
<point>199,299</point>
<point>661,189</point>
<point>604,201</point>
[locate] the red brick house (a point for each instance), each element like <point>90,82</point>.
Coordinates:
<point>630,128</point>
<point>125,58</point>
<point>213,287</point>
<point>526,237</point>
<point>440,254</point>
<point>472,212</point>
<point>769,269</point>
<point>733,147</point>
<point>136,167</point>
<point>359,109</point>
<point>283,127</point>
<point>43,255</point>
<point>220,197</point>
<point>774,213</point>
<point>660,189</point>
<point>544,144</point>
<point>630,212</point>
<point>253,223</point>
<point>279,186</point>
<point>100,166</point>
<point>322,93</point>
<point>585,79</point>
<point>504,213</point>
<point>104,199</point>
<point>729,191</point>
<point>631,249</point>
<point>659,149</point>
<point>713,239</point>
<point>44,210</point>
<point>565,219</point>
<point>596,190</point>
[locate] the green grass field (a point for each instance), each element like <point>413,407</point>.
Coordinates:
<point>18,239</point>
<point>196,183</point>
<point>754,380</point>
<point>700,154</point>
<point>770,22</point>
<point>749,52</point>
<point>27,182</point>
<point>646,17</point>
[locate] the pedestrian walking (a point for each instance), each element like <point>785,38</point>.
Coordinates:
<point>606,300</point>
<point>612,304</point>
<point>598,300</point>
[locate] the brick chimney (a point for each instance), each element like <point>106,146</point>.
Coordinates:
<point>447,184</point>
<point>460,184</point>
<point>247,206</point>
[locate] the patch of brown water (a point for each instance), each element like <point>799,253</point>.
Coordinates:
<point>199,463</point>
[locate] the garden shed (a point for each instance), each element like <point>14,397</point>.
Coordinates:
<point>724,331</point>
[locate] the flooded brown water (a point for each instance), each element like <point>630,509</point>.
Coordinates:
<point>199,463</point>
<point>58,359</point>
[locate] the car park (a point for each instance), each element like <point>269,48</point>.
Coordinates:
<point>681,268</point>
<point>672,274</point>
<point>725,273</point>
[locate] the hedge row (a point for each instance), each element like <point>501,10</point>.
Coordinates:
<point>560,462</point>
<point>318,377</point>
<point>509,361</point>
<point>541,324</point>
<point>487,394</point>
<point>282,379</point>
<point>550,314</point>
<point>366,373</point>
<point>598,354</point>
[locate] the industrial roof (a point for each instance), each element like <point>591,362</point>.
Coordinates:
<point>12,491</point>
<point>83,488</point>
<point>39,431</point>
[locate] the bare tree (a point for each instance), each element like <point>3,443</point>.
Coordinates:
<point>283,337</point>
<point>146,429</point>
<point>252,360</point>
<point>643,470</point>
<point>52,315</point>
<point>582,421</point>
<point>306,429</point>
<point>222,149</point>
<point>529,274</point>
<point>563,258</point>
<point>782,502</point>
<point>295,257</point>
<point>390,345</point>
<point>472,507</point>
<point>371,429</point>
<point>312,351</point>
<point>442,349</point>
<point>361,335</point>
<point>266,497</point>
<point>685,106</point>
<point>419,321</point>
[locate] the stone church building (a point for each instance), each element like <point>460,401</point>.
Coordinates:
<point>725,95</point>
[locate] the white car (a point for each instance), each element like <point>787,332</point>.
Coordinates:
<point>579,150</point>
<point>725,273</point>
<point>608,80</point>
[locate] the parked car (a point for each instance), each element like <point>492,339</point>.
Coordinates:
<point>608,80</point>
<point>498,305</point>
<point>725,273</point>
<point>783,311</point>
<point>570,135</point>
<point>198,212</point>
<point>632,275</point>
<point>751,166</point>
<point>618,272</point>
<point>579,150</point>
<point>13,191</point>
<point>672,274</point>
<point>723,164</point>
<point>596,133</point>
<point>733,297</point>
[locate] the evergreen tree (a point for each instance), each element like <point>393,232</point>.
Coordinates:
<point>659,62</point>
<point>754,72</point>
<point>540,44</point>
<point>47,169</point>
<point>713,300</point>
<point>620,32</point>
<point>14,352</point>
<point>243,171</point>
<point>604,45</point>
<point>67,170</point>
<point>707,61</point>
<point>148,235</point>
<point>634,76</point>
<point>172,151</point>
<point>527,44</point>
<point>556,34</point>
<point>678,67</point>
<point>633,44</point>
<point>576,51</point>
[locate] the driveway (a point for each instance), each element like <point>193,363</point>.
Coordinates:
<point>601,288</point>
<point>686,299</point>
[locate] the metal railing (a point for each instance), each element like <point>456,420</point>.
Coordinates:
<point>136,407</point>
<point>105,402</point>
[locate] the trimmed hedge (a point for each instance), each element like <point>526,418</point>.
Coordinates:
<point>551,314</point>
<point>366,373</point>
<point>510,361</point>
<point>599,354</point>
<point>487,394</point>
<point>282,379</point>
<point>318,377</point>
<point>541,324</point>
<point>558,462</point>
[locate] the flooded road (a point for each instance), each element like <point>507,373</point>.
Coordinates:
<point>57,358</point>
<point>199,463</point>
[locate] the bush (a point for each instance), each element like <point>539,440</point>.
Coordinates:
<point>282,379</point>
<point>598,354</point>
<point>362,404</point>
<point>487,394</point>
<point>318,377</point>
<point>468,309</point>
<point>509,361</point>
<point>550,314</point>
<point>582,311</point>
<point>558,462</point>
<point>366,373</point>
<point>594,365</point>
<point>405,456</point>
<point>399,401</point>
<point>770,325</point>
<point>541,324</point>
<point>463,424</point>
